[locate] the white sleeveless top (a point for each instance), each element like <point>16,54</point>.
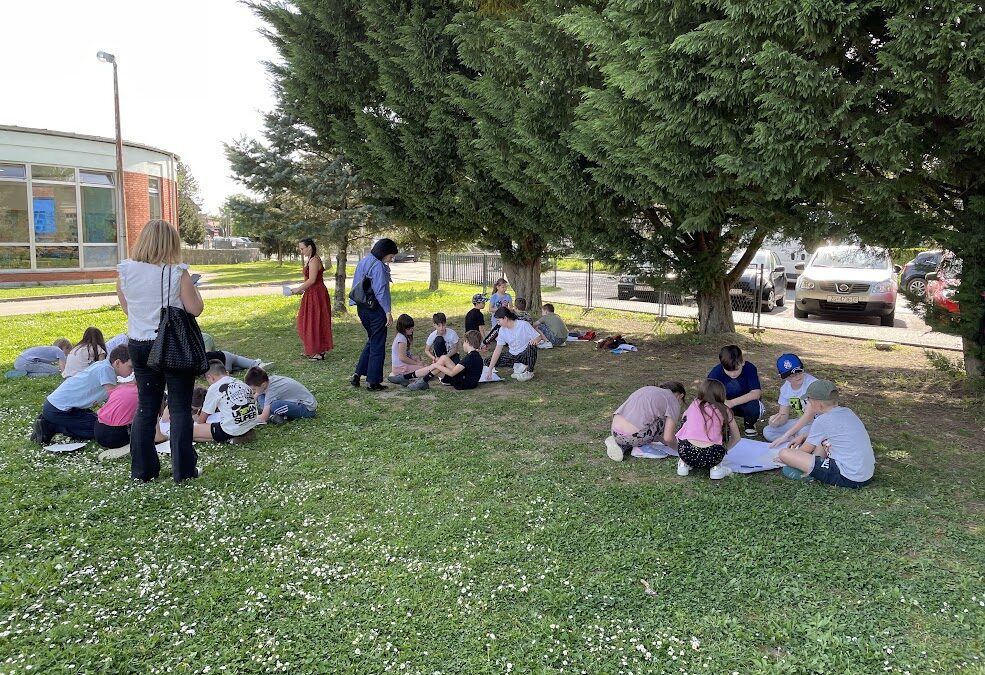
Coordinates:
<point>142,286</point>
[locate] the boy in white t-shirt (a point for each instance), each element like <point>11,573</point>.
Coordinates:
<point>837,451</point>
<point>235,403</point>
<point>443,341</point>
<point>794,417</point>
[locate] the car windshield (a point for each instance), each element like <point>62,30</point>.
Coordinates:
<point>851,258</point>
<point>761,258</point>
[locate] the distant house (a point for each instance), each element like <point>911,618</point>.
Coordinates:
<point>59,200</point>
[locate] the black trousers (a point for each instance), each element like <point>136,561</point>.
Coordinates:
<point>112,437</point>
<point>144,463</point>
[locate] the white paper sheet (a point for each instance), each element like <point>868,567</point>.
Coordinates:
<point>166,426</point>
<point>749,456</point>
<point>495,376</point>
<point>286,290</point>
<point>164,448</point>
<point>64,447</point>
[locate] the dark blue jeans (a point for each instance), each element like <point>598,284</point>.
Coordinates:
<point>78,423</point>
<point>750,412</point>
<point>292,410</point>
<point>144,462</point>
<point>371,360</point>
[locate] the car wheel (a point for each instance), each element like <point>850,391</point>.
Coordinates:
<point>799,313</point>
<point>917,287</point>
<point>769,301</point>
<point>888,320</point>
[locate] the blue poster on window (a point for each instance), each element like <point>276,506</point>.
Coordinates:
<point>44,215</point>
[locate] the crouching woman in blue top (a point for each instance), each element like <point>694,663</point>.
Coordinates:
<point>373,274</point>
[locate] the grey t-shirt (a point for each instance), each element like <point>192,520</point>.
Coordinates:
<point>282,388</point>
<point>850,444</point>
<point>555,323</point>
<point>46,354</point>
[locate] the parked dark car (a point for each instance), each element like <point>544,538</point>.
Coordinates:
<point>640,287</point>
<point>405,256</point>
<point>768,286</point>
<point>913,277</point>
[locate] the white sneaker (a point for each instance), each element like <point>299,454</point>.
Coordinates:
<point>519,368</point>
<point>545,345</point>
<point>613,450</point>
<point>719,472</point>
<point>264,364</point>
<point>682,468</point>
<point>524,376</point>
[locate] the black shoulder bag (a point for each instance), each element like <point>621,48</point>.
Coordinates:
<point>179,347</point>
<point>362,294</point>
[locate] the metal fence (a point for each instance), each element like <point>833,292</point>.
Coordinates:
<point>584,282</point>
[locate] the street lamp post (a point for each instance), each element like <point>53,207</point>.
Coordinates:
<point>121,234</point>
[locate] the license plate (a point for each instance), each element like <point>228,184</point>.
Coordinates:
<point>843,299</point>
<point>735,291</point>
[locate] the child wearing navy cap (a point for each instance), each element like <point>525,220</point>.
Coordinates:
<point>792,418</point>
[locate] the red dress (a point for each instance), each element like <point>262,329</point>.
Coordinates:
<point>315,316</point>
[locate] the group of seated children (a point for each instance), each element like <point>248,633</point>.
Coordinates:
<point>441,348</point>
<point>821,440</point>
<point>261,398</point>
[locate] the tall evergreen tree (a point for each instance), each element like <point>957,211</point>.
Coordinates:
<point>191,220</point>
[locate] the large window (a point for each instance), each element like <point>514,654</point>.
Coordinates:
<point>56,217</point>
<point>154,197</point>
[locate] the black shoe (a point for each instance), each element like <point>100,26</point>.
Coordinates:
<point>354,381</point>
<point>276,418</point>
<point>377,387</point>
<point>40,433</point>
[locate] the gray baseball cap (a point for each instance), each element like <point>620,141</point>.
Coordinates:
<point>822,390</point>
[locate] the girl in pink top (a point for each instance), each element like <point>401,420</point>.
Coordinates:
<point>707,432</point>
<point>114,419</point>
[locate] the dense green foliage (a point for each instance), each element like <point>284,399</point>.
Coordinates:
<point>191,220</point>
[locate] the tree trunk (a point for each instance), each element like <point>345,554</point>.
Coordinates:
<point>524,277</point>
<point>435,266</point>
<point>715,309</point>
<point>973,365</point>
<point>341,303</point>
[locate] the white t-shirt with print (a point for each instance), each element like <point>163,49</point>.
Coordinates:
<point>451,339</point>
<point>235,403</point>
<point>795,397</point>
<point>851,447</point>
<point>516,338</point>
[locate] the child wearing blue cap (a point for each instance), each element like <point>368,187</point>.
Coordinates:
<point>792,418</point>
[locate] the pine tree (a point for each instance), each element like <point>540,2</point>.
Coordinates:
<point>191,220</point>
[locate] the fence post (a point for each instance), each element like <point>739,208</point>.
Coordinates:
<point>555,270</point>
<point>588,284</point>
<point>485,272</point>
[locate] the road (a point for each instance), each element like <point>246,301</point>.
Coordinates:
<point>571,289</point>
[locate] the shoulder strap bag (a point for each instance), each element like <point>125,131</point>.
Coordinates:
<point>362,293</point>
<point>179,347</point>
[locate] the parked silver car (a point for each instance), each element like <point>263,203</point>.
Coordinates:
<point>848,281</point>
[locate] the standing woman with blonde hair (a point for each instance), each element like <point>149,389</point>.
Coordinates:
<point>315,313</point>
<point>154,274</point>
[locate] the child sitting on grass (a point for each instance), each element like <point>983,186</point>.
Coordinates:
<point>442,340</point>
<point>649,414</point>
<point>521,310</point>
<point>707,432</point>
<point>552,327</point>
<point>280,399</point>
<point>742,388</point>
<point>68,409</point>
<point>475,319</point>
<point>793,416</point>
<point>43,361</point>
<point>403,364</point>
<point>838,450</point>
<point>459,373</point>
<point>236,405</point>
<point>91,348</point>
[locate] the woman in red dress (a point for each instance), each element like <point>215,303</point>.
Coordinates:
<point>315,313</point>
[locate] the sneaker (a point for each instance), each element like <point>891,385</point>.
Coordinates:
<point>264,364</point>
<point>244,438</point>
<point>40,433</point>
<point>545,345</point>
<point>377,387</point>
<point>750,431</point>
<point>398,379</point>
<point>199,471</point>
<point>682,468</point>
<point>612,449</point>
<point>419,384</point>
<point>524,376</point>
<point>519,368</point>
<point>719,472</point>
<point>354,380</point>
<point>276,418</point>
<point>794,474</point>
<point>114,453</point>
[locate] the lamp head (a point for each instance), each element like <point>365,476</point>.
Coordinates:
<point>105,57</point>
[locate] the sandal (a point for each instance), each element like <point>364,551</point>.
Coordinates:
<point>317,357</point>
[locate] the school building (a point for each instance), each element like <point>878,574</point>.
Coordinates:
<point>59,200</point>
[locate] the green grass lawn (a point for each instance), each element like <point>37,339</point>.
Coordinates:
<point>266,271</point>
<point>487,532</point>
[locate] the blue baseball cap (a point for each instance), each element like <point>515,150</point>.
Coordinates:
<point>479,297</point>
<point>787,363</point>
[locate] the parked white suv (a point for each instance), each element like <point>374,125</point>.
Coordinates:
<point>848,281</point>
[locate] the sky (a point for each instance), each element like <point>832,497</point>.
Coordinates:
<point>191,76</point>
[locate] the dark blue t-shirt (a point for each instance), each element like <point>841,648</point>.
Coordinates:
<point>747,380</point>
